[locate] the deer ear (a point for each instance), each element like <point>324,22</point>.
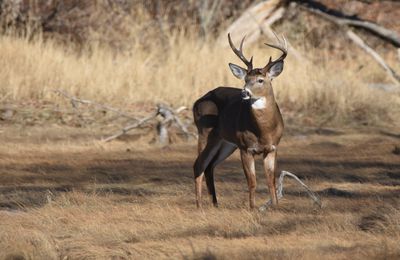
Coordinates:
<point>275,70</point>
<point>238,71</point>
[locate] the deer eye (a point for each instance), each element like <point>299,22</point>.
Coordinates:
<point>260,80</point>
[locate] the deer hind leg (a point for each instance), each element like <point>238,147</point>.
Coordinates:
<point>270,169</point>
<point>203,161</point>
<point>224,152</point>
<point>250,172</point>
<point>203,137</point>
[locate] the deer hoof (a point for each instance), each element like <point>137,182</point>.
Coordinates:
<point>264,207</point>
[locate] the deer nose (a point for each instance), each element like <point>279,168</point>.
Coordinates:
<point>246,94</point>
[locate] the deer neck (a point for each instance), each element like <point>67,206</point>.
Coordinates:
<point>265,111</point>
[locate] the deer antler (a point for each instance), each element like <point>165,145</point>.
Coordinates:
<point>239,53</point>
<point>282,46</point>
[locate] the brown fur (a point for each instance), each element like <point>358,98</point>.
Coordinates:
<point>227,121</point>
<point>235,121</point>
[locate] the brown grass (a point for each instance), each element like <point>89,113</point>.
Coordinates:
<point>66,196</point>
<point>184,69</point>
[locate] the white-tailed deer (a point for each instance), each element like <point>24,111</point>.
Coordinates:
<point>248,119</point>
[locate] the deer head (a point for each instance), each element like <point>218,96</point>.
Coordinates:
<point>258,78</point>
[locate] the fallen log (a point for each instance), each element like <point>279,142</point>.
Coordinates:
<point>249,22</point>
<point>357,40</point>
<point>345,23</point>
<point>266,29</point>
<point>398,54</point>
<point>341,20</point>
<point>257,21</point>
<point>168,116</point>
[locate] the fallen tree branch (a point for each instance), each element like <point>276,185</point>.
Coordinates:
<point>393,88</point>
<point>257,21</point>
<point>169,116</point>
<point>265,28</point>
<point>174,117</point>
<point>357,40</point>
<point>310,193</point>
<point>249,22</point>
<point>398,54</point>
<point>130,127</point>
<point>74,100</point>
<point>321,10</point>
<point>384,33</point>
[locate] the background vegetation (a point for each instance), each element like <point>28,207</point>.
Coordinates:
<point>66,195</point>
<point>131,53</point>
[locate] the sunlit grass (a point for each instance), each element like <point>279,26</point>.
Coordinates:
<point>184,70</point>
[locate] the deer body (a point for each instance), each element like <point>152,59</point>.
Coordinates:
<point>255,124</point>
<point>226,120</point>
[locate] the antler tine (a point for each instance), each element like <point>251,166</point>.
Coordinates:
<point>282,46</point>
<point>241,44</point>
<point>239,53</point>
<point>285,42</point>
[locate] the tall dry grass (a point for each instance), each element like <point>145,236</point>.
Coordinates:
<point>181,67</point>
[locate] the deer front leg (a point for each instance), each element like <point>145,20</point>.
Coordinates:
<point>270,168</point>
<point>250,172</point>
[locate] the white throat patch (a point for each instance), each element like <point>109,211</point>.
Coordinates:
<point>260,103</point>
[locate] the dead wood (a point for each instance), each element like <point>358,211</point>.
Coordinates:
<point>393,88</point>
<point>249,22</point>
<point>162,127</point>
<point>310,193</point>
<point>257,21</point>
<point>398,54</point>
<point>265,28</point>
<point>374,28</point>
<point>168,115</point>
<point>74,101</point>
<point>171,116</point>
<point>130,127</point>
<point>357,40</point>
<point>341,20</point>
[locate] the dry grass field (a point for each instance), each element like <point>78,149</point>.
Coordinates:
<point>65,196</point>
<point>322,87</point>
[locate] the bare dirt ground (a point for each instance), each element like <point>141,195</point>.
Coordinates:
<point>64,195</point>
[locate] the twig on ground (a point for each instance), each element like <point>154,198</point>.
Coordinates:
<point>74,100</point>
<point>169,116</point>
<point>130,127</point>
<point>312,195</point>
